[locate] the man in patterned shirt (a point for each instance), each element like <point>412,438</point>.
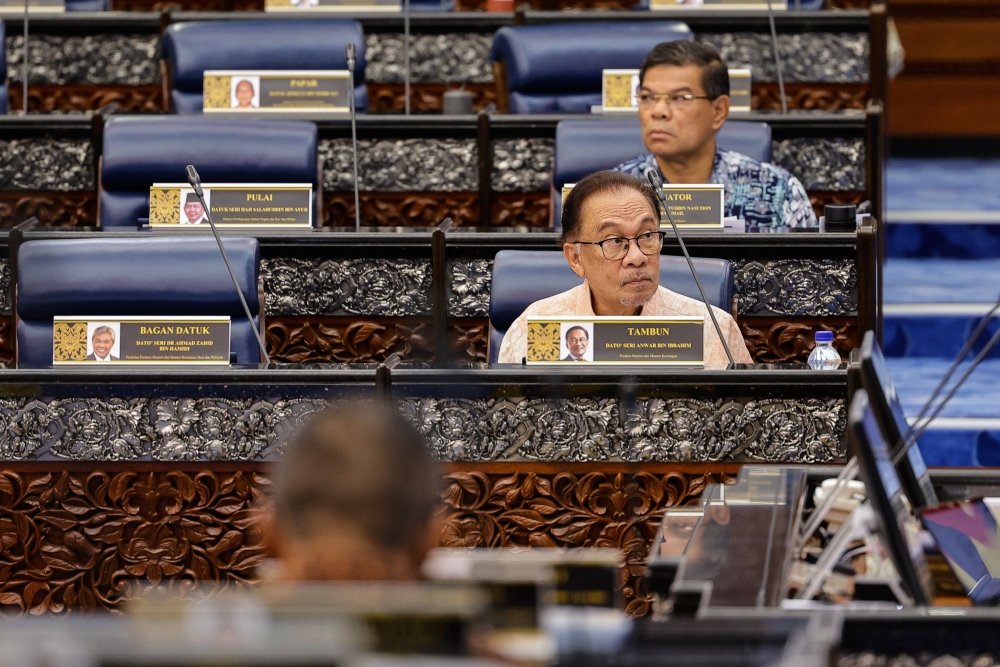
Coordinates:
<point>683,102</point>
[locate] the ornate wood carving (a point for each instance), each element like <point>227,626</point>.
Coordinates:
<point>775,340</point>
<point>7,340</point>
<point>55,209</point>
<point>87,539</point>
<point>82,97</point>
<point>187,5</point>
<point>401,209</point>
<point>551,5</point>
<point>370,339</point>
<point>520,209</point>
<point>815,96</point>
<point>424,97</point>
<point>564,509</point>
<point>820,199</point>
<point>848,4</point>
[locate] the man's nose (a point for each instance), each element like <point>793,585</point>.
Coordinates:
<point>662,109</point>
<point>634,257</point>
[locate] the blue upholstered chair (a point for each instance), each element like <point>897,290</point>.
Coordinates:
<point>86,5</point>
<point>3,68</point>
<point>588,145</point>
<point>521,277</point>
<point>179,275</point>
<point>140,151</point>
<point>191,48</point>
<point>557,68</point>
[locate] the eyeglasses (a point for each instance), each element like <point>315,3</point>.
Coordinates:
<point>647,100</point>
<point>616,247</point>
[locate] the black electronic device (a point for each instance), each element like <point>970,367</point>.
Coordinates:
<point>892,420</point>
<point>897,527</point>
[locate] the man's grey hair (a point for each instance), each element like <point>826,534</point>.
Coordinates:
<point>103,330</point>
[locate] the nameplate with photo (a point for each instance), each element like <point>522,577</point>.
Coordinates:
<point>695,206</point>
<point>333,5</point>
<point>40,6</point>
<point>140,340</point>
<point>676,341</point>
<point>277,205</point>
<point>620,90</point>
<point>276,92</point>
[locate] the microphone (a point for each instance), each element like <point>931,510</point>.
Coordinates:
<point>351,57</point>
<point>654,180</point>
<point>195,180</point>
<point>406,55</point>
<point>777,58</point>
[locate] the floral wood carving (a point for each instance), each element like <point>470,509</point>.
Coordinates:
<point>88,540</point>
<point>812,96</point>
<point>54,209</point>
<point>401,209</point>
<point>84,97</point>
<point>424,97</point>
<point>348,340</point>
<point>520,209</point>
<point>569,510</point>
<point>7,334</point>
<point>773,340</point>
<point>187,5</point>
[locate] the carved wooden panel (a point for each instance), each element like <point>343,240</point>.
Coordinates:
<point>187,5</point>
<point>520,209</point>
<point>7,338</point>
<point>596,509</point>
<point>369,340</point>
<point>424,97</point>
<point>790,340</point>
<point>56,209</point>
<point>552,5</point>
<point>87,539</point>
<point>401,209</point>
<point>84,97</point>
<point>815,96</point>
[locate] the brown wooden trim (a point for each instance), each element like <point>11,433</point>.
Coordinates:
<point>868,274</point>
<point>611,468</point>
<point>57,467</point>
<point>500,79</point>
<point>53,209</point>
<point>424,97</point>
<point>88,97</point>
<point>878,37</point>
<point>765,95</point>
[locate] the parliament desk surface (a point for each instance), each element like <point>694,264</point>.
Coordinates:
<point>112,477</point>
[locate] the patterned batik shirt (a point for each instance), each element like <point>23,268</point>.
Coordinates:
<point>766,196</point>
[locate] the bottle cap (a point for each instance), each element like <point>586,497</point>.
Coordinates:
<point>824,336</point>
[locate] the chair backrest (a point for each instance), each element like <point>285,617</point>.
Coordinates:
<point>557,68</point>
<point>3,68</point>
<point>191,48</point>
<point>178,275</point>
<point>521,277</point>
<point>140,151</point>
<point>588,145</point>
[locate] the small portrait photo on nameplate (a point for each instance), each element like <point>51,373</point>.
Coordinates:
<point>231,205</point>
<point>672,341</point>
<point>696,206</point>
<point>618,91</point>
<point>140,340</point>
<point>333,5</point>
<point>276,92</point>
<point>739,90</point>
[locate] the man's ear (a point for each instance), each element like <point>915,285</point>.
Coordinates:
<point>572,256</point>
<point>720,111</point>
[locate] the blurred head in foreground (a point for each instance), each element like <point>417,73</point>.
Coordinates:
<point>355,498</point>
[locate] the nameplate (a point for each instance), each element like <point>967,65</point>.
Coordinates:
<point>333,5</point>
<point>278,206</point>
<point>41,6</point>
<point>673,5</point>
<point>695,206</point>
<point>140,340</point>
<point>620,89</point>
<point>276,92</point>
<point>673,341</point>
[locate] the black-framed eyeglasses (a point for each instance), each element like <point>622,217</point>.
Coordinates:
<point>616,247</point>
<point>673,101</point>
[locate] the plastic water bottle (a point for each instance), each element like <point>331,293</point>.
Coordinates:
<point>824,357</point>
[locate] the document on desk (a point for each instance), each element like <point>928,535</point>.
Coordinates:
<point>673,341</point>
<point>140,340</point>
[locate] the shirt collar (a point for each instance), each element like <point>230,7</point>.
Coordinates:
<point>716,176</point>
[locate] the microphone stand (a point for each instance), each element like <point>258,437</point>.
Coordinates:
<point>25,66</point>
<point>195,181</point>
<point>654,180</point>
<point>354,135</point>
<point>406,54</point>
<point>777,58</point>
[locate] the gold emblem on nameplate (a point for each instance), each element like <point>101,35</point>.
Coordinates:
<point>164,206</point>
<point>543,341</point>
<point>618,91</point>
<point>69,341</point>
<point>217,92</point>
